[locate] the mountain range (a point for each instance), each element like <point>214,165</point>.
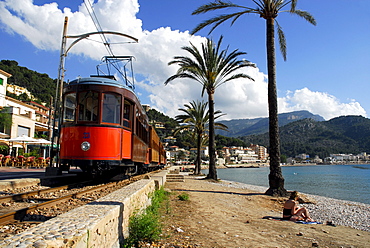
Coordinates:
<point>345,134</point>
<point>244,127</point>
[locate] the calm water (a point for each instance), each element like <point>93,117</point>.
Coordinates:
<point>346,182</point>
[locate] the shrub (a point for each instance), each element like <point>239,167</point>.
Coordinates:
<point>146,227</point>
<point>183,197</point>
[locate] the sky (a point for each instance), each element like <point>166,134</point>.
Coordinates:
<point>326,72</point>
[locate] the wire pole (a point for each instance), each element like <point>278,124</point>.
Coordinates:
<point>59,92</point>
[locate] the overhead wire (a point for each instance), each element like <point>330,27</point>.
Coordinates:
<point>105,41</point>
<point>98,26</point>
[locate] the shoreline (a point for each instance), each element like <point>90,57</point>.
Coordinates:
<point>356,192</point>
<point>262,165</point>
<point>342,212</point>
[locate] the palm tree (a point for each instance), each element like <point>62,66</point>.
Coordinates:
<point>269,10</point>
<point>196,119</point>
<point>211,68</point>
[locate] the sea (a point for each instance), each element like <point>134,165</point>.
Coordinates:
<point>344,182</point>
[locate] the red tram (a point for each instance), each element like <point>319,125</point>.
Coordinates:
<point>104,127</point>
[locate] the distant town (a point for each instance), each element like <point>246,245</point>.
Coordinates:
<point>256,155</point>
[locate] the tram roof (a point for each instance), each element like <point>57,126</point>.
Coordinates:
<point>100,81</point>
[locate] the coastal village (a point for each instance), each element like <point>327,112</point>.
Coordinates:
<point>256,156</point>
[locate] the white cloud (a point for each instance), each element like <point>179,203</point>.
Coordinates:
<point>42,26</point>
<point>243,98</point>
<point>320,103</point>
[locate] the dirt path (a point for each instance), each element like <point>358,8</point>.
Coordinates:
<point>221,216</point>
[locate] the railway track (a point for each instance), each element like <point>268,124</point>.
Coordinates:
<point>42,209</point>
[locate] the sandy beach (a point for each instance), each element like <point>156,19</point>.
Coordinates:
<point>229,214</point>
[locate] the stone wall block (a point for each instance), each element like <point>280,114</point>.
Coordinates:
<point>102,223</point>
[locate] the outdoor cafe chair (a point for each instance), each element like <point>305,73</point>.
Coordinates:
<point>30,162</point>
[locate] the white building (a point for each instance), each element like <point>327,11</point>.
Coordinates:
<point>3,85</point>
<point>18,90</point>
<point>203,151</point>
<point>26,117</point>
<point>241,155</point>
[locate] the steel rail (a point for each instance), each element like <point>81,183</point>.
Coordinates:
<point>26,195</point>
<point>19,215</point>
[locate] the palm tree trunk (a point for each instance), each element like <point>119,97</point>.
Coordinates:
<point>212,159</point>
<point>276,179</point>
<point>198,162</point>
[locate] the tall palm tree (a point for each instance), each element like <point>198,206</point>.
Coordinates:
<point>196,119</point>
<point>211,68</point>
<point>269,10</point>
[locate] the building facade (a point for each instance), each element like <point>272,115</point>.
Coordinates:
<point>3,85</point>
<point>27,117</point>
<point>18,90</point>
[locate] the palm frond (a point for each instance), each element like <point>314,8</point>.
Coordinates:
<point>282,40</point>
<point>221,126</point>
<point>218,20</point>
<point>182,75</point>
<point>196,118</point>
<point>214,22</point>
<point>216,5</point>
<point>305,15</point>
<point>260,4</point>
<point>212,6</point>
<point>293,5</point>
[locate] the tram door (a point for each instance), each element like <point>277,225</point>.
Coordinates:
<point>127,130</point>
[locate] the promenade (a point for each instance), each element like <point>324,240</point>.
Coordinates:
<point>222,214</point>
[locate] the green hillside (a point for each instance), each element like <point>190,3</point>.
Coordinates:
<point>39,84</point>
<point>345,134</point>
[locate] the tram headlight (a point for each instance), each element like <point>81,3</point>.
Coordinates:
<point>85,146</point>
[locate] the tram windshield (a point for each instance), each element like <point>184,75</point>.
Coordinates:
<point>69,107</point>
<point>88,103</point>
<point>111,108</point>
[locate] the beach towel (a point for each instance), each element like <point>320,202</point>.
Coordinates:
<point>307,222</point>
<point>299,221</point>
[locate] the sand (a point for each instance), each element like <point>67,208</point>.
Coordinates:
<point>217,215</point>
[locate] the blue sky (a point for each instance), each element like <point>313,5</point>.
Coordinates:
<point>326,71</point>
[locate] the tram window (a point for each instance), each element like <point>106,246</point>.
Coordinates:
<point>111,108</point>
<point>141,131</point>
<point>127,110</point>
<point>88,103</point>
<point>69,107</point>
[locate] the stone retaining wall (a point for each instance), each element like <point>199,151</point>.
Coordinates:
<point>103,223</point>
<point>18,183</point>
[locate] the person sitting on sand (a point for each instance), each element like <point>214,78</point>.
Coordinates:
<point>292,211</point>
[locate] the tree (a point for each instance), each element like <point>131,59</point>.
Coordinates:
<point>222,141</point>
<point>5,120</point>
<point>196,119</point>
<point>39,84</point>
<point>211,68</point>
<point>269,10</point>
